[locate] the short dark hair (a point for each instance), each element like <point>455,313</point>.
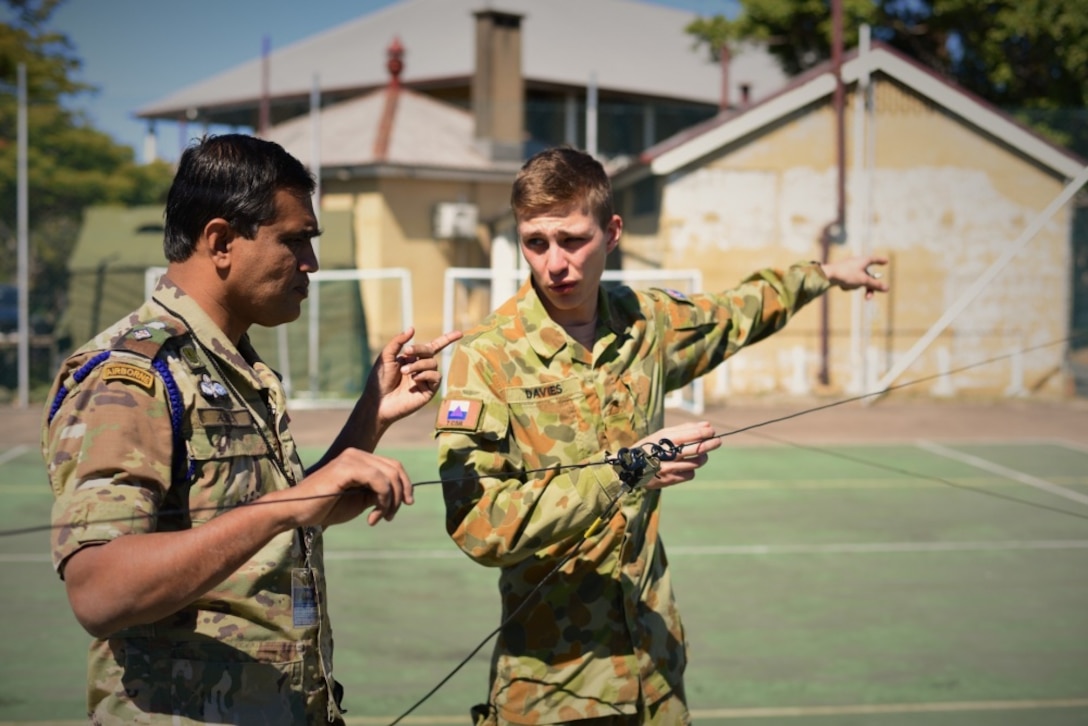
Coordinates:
<point>232,176</point>
<point>559,179</point>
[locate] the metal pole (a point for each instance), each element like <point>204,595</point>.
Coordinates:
<point>264,110</point>
<point>591,116</point>
<point>859,212</point>
<point>313,345</point>
<point>23,255</point>
<point>835,231</point>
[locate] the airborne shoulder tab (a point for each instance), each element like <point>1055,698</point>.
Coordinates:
<point>129,373</point>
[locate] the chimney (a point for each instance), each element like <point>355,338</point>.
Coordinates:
<point>724,56</point>
<point>395,65</point>
<point>498,90</point>
<point>745,95</point>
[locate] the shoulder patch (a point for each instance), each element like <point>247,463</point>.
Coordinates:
<point>146,339</point>
<point>460,414</point>
<point>130,373</point>
<point>675,294</point>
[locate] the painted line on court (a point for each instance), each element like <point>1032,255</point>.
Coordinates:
<point>13,453</point>
<point>711,550</point>
<point>878,547</point>
<point>986,465</point>
<point>702,551</point>
<point>1072,445</point>
<point>730,713</point>
<point>888,708</point>
<point>698,715</point>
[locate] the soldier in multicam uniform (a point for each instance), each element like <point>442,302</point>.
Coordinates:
<point>537,395</point>
<point>166,424</point>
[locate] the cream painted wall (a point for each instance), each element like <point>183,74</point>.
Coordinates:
<point>946,200</point>
<point>393,228</point>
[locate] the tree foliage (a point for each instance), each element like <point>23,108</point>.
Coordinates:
<point>1026,56</point>
<point>70,164</point>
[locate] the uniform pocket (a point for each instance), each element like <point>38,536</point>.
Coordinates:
<point>200,682</point>
<point>246,692</point>
<point>552,421</point>
<point>231,463</point>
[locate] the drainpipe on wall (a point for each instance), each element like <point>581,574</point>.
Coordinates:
<point>836,230</point>
<point>723,61</point>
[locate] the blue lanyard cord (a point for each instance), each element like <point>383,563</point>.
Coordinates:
<point>178,469</point>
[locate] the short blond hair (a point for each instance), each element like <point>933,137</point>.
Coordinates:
<point>562,179</point>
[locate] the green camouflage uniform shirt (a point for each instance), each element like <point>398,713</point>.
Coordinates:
<point>603,634</point>
<point>234,655</point>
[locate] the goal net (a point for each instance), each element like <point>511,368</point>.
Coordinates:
<point>325,356</point>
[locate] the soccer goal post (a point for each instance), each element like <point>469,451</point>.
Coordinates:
<point>467,298</point>
<point>324,357</point>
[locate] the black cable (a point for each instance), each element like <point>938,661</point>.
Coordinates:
<point>744,429</point>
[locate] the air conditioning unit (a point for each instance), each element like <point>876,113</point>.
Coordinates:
<point>455,220</point>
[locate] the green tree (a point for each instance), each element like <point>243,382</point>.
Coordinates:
<point>70,164</point>
<point>1025,56</point>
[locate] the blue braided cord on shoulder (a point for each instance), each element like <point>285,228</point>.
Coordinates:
<point>181,472</point>
<point>174,401</point>
<point>79,375</point>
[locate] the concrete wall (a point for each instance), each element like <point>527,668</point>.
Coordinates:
<point>945,201</point>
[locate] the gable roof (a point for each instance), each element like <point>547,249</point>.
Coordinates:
<point>818,83</point>
<point>390,127</point>
<point>630,46</point>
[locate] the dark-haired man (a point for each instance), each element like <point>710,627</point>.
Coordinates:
<point>187,533</point>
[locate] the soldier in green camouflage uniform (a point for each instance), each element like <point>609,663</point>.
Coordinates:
<point>537,396</point>
<point>166,424</point>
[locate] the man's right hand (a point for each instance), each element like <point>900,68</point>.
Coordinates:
<point>347,486</point>
<point>695,440</point>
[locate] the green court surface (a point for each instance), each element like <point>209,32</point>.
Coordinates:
<point>917,585</point>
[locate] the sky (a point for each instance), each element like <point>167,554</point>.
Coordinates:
<point>138,51</point>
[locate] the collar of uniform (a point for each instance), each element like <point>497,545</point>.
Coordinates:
<point>174,299</point>
<point>545,335</point>
<point>606,312</point>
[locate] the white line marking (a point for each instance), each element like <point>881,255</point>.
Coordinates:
<point>878,547</point>
<point>710,550</point>
<point>1072,445</point>
<point>887,708</point>
<point>11,559</point>
<point>1031,481</point>
<point>730,713</point>
<point>13,453</point>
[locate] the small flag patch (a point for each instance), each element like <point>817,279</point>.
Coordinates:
<point>461,414</point>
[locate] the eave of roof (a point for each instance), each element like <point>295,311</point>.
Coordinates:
<point>563,42</point>
<point>818,83</point>
<point>420,137</point>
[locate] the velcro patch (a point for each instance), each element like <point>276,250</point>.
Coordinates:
<point>460,414</point>
<point>223,417</point>
<point>130,373</point>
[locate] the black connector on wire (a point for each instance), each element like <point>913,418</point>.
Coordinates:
<point>632,464</point>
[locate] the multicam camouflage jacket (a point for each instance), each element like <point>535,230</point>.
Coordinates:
<point>604,633</point>
<point>159,424</point>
